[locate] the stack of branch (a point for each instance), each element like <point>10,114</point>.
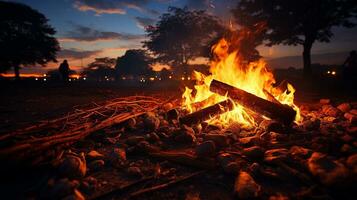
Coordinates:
<point>30,142</point>
<point>272,109</point>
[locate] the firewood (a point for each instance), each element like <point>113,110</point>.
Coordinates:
<point>207,113</point>
<point>279,112</point>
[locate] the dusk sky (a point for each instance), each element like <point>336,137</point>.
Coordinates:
<point>87,29</point>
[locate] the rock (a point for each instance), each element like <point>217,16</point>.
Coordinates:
<point>61,188</point>
<point>228,163</point>
<point>172,114</point>
<point>134,171</point>
<point>245,187</point>
<point>344,107</point>
<point>96,165</point>
<point>328,171</point>
<point>255,152</point>
<point>312,124</point>
<point>330,111</point>
<point>73,166</point>
<point>276,155</point>
<point>151,122</point>
<point>347,138</point>
<point>249,141</point>
<point>89,184</point>
<point>271,125</point>
<point>134,140</point>
<point>353,111</point>
<point>153,137</point>
<point>325,101</point>
<point>220,140</point>
<point>347,149</point>
<point>231,168</point>
<point>352,119</point>
<point>117,157</point>
<point>77,195</point>
<point>184,135</point>
<point>298,152</point>
<point>207,148</point>
<point>167,106</point>
<point>352,164</point>
<point>279,196</point>
<point>94,155</point>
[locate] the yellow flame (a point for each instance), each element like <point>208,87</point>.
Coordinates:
<point>230,68</point>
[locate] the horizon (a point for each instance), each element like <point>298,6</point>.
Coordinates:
<point>90,29</point>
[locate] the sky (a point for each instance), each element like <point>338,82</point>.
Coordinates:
<point>88,29</point>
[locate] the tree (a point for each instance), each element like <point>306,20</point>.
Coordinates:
<point>101,69</point>
<point>296,22</point>
<point>25,37</point>
<point>135,62</point>
<point>181,35</point>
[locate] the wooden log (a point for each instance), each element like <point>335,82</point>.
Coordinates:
<point>207,113</point>
<point>280,112</point>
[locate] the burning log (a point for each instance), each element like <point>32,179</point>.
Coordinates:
<point>280,112</point>
<point>206,113</point>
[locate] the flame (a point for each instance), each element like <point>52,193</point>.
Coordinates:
<point>230,68</point>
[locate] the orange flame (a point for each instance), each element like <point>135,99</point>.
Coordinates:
<point>230,68</point>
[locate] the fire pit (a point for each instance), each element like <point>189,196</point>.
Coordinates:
<point>234,135</point>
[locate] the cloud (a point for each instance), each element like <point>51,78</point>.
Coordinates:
<point>143,22</point>
<point>87,34</point>
<point>114,6</point>
<point>76,54</point>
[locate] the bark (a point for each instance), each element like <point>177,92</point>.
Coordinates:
<point>307,57</point>
<point>279,112</point>
<point>17,72</point>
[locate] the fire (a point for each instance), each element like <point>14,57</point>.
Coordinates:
<point>230,68</point>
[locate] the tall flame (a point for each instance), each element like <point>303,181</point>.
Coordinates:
<point>230,68</point>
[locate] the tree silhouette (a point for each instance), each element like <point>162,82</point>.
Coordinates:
<point>25,37</point>
<point>181,35</point>
<point>101,69</point>
<point>296,22</point>
<point>135,62</point>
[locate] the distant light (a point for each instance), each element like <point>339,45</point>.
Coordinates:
<point>170,77</point>
<point>151,78</point>
<point>333,73</point>
<point>44,79</point>
<point>107,79</point>
<point>188,78</point>
<point>159,79</point>
<point>44,75</point>
<point>123,78</point>
<point>183,78</point>
<point>70,80</point>
<point>328,72</point>
<point>36,79</point>
<point>84,78</point>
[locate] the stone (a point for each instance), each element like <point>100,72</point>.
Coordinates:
<point>276,155</point>
<point>352,119</point>
<point>325,101</point>
<point>73,166</point>
<point>312,124</point>
<point>353,111</point>
<point>151,122</point>
<point>117,157</point>
<point>347,149</point>
<point>184,135</point>
<point>352,164</point>
<point>220,140</point>
<point>61,188</point>
<point>330,111</point>
<point>298,152</point>
<point>245,187</point>
<point>134,140</point>
<point>88,184</point>
<point>96,165</point>
<point>328,171</point>
<point>271,125</point>
<point>94,155</point>
<point>347,138</point>
<point>344,107</point>
<point>207,148</point>
<point>172,114</point>
<point>134,171</point>
<point>249,141</point>
<point>254,152</point>
<point>167,106</point>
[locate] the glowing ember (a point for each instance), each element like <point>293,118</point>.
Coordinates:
<point>230,68</point>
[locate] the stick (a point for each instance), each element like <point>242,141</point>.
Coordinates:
<point>282,113</point>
